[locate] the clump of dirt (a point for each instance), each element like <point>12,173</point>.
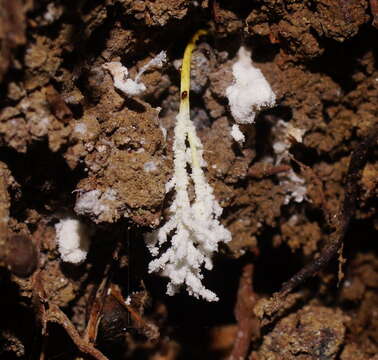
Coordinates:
<point>312,332</point>
<point>302,27</point>
<point>72,143</point>
<point>123,155</point>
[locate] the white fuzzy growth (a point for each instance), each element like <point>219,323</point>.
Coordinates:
<point>80,128</point>
<point>284,132</point>
<point>295,187</point>
<point>250,92</point>
<point>193,228</point>
<point>121,82</point>
<point>133,88</point>
<point>156,62</point>
<point>237,135</point>
<point>94,202</point>
<point>150,166</point>
<point>128,86</point>
<point>54,12</point>
<point>73,240</point>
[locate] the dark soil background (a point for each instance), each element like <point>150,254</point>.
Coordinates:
<point>66,135</point>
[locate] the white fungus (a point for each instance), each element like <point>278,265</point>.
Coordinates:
<point>149,166</point>
<point>237,135</point>
<point>193,228</point>
<point>73,239</point>
<point>53,12</point>
<point>128,86</point>
<point>294,186</point>
<point>121,82</point>
<point>80,128</point>
<point>250,92</point>
<point>94,202</point>
<point>283,133</point>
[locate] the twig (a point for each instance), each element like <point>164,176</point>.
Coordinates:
<point>248,324</point>
<point>94,318</point>
<point>215,8</point>
<point>374,12</point>
<point>346,213</point>
<point>268,310</point>
<point>54,314</point>
<point>145,327</point>
<point>48,312</point>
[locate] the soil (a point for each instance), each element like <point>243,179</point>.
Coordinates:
<point>71,144</point>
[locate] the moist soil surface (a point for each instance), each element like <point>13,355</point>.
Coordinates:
<point>305,179</point>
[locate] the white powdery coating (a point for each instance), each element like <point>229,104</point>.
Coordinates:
<point>93,202</point>
<point>53,12</point>
<point>156,62</point>
<point>39,126</point>
<point>194,229</point>
<point>283,133</point>
<point>73,240</point>
<point>149,166</point>
<point>294,186</point>
<point>80,128</point>
<point>237,135</point>
<point>128,86</point>
<point>121,82</point>
<point>250,92</point>
<point>133,88</point>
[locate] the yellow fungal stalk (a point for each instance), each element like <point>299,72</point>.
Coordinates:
<point>185,89</point>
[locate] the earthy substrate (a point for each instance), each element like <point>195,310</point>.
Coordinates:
<point>68,136</point>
